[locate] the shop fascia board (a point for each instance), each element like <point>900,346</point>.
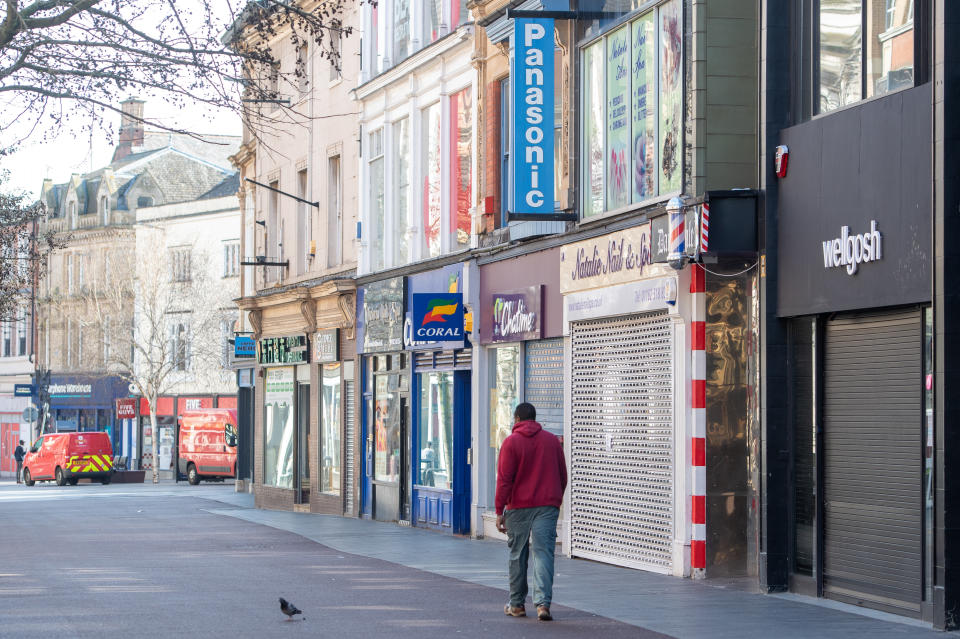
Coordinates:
<point>296,295</point>
<point>427,54</point>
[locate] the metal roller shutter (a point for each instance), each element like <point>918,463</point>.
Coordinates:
<point>349,428</point>
<point>622,441</point>
<point>873,438</point>
<point>543,382</point>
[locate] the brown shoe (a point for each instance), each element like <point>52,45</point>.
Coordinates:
<point>518,611</point>
<point>543,613</point>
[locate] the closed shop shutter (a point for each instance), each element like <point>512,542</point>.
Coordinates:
<point>622,427</point>
<point>461,359</point>
<point>543,382</point>
<point>350,431</point>
<point>873,438</point>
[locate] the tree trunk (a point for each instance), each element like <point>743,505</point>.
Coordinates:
<point>156,440</point>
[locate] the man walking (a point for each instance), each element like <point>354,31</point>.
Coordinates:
<point>531,478</point>
<point>18,454</point>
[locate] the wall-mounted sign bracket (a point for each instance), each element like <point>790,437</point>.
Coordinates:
<point>290,195</point>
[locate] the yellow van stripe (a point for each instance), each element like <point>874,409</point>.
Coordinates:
<point>89,463</point>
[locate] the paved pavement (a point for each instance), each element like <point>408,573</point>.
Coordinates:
<point>403,581</point>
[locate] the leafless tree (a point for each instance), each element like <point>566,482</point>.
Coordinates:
<point>157,323</point>
<point>24,252</point>
<point>61,57</point>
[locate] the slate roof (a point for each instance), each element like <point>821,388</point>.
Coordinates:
<point>229,186</point>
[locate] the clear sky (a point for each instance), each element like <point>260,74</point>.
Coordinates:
<point>67,152</point>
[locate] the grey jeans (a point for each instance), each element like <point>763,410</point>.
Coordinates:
<point>539,527</point>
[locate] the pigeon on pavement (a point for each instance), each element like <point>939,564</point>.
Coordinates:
<point>289,609</point>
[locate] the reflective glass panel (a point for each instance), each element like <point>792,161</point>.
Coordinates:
<point>386,432</point>
<point>330,429</point>
<point>889,52</point>
<point>840,53</point>
<point>278,427</point>
<point>436,430</point>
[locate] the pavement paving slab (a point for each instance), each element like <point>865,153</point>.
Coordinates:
<point>161,564</point>
<point>151,560</point>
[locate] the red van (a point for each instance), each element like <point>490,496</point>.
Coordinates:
<point>208,444</point>
<point>67,457</point>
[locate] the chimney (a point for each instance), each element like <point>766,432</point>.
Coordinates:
<point>131,128</point>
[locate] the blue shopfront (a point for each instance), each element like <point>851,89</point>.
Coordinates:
<point>385,407</point>
<point>82,403</point>
<point>435,336</point>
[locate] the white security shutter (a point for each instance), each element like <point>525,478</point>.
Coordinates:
<point>543,382</point>
<point>622,427</point>
<point>350,426</point>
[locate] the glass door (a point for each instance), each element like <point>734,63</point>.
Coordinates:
<point>303,443</point>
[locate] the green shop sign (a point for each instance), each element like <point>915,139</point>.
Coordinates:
<point>272,351</point>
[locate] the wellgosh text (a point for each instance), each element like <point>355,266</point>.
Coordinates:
<point>852,250</point>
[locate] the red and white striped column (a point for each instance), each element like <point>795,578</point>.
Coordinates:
<point>698,394</point>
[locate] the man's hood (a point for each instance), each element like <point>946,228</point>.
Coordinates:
<point>527,428</point>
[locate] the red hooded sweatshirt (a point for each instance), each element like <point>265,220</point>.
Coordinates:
<point>531,471</point>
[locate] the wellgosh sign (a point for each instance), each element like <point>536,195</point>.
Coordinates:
<point>850,251</point>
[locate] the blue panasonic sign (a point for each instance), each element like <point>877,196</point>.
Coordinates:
<point>532,110</point>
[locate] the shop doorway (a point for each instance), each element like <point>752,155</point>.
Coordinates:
<point>622,432</point>
<point>303,444</point>
<point>9,437</point>
<point>873,436</point>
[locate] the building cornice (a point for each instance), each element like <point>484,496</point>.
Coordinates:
<point>429,53</point>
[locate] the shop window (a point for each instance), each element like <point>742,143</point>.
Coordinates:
<point>331,411</point>
<point>7,339</point>
<point>69,342</point>
<point>505,384</point>
<point>303,68</point>
<point>304,223</point>
<point>430,155</point>
<point>180,265</point>
<point>504,150</point>
<point>386,464</point>
<point>70,283</point>
<point>278,427</point>
<point>378,238</point>
<point>421,190</point>
<point>231,258</point>
<point>865,48</point>
<point>336,61</point>
<point>461,168</point>
<point>436,430</point>
<point>401,189</point>
<point>401,30</point>
<point>334,210</point>
<point>431,20</point>
<point>633,115</point>
<point>106,340</point>
<point>22,332</point>
<point>179,347</point>
<point>273,240</point>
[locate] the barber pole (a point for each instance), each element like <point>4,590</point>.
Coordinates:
<point>677,239</point>
<point>704,227</point>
